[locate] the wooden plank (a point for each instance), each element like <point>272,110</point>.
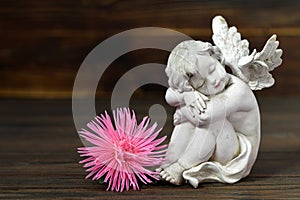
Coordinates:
<point>44,42</point>
<point>39,159</point>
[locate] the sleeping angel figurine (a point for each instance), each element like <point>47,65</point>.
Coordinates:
<point>216,131</point>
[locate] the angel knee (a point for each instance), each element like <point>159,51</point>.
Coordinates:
<point>199,150</point>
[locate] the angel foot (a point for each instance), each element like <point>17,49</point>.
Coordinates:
<point>163,166</point>
<point>173,174</point>
<point>158,169</point>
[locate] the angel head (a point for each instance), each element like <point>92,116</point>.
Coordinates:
<point>195,65</point>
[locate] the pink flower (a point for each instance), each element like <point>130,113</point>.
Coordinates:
<point>122,153</point>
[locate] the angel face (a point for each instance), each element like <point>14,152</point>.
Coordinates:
<point>210,77</point>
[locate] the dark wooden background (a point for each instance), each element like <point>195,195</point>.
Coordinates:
<point>43,44</point>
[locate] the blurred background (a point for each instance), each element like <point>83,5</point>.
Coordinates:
<point>43,43</point>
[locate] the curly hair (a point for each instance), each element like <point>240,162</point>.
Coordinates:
<point>182,62</point>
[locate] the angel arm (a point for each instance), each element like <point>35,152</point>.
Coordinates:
<point>237,98</point>
<point>192,99</point>
<point>174,98</point>
<point>217,110</point>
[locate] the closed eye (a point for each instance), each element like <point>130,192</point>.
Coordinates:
<point>212,68</point>
<point>194,84</point>
<point>201,85</point>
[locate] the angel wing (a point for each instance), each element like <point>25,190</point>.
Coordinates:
<point>254,68</point>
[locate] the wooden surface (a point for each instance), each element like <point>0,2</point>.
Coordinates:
<point>44,42</point>
<point>38,158</point>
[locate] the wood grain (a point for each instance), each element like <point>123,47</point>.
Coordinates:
<point>44,42</point>
<point>39,159</point>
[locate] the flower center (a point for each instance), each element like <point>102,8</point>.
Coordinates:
<point>126,146</point>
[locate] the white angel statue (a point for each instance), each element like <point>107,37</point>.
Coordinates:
<point>217,122</point>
